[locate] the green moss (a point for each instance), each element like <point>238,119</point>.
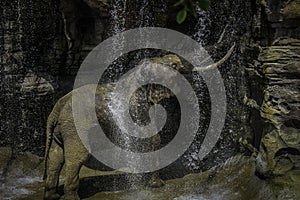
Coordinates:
<point>291,10</point>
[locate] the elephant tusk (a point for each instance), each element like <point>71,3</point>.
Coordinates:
<point>214,65</point>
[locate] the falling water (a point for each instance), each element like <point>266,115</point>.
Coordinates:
<point>145,19</point>
<point>118,20</point>
<point>118,14</point>
<point>145,14</point>
<point>201,30</point>
<point>200,35</point>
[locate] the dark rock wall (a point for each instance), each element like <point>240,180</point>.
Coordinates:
<point>37,65</point>
<point>31,52</point>
<point>274,85</point>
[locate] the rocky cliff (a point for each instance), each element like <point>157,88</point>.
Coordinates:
<point>274,81</point>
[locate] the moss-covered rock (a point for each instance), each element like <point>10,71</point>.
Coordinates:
<point>278,65</point>
<point>280,107</point>
<point>277,43</point>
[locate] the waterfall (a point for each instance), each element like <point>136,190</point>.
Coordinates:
<point>118,19</point>
<point>118,15</point>
<point>120,66</point>
<point>201,30</point>
<point>200,34</point>
<point>145,14</point>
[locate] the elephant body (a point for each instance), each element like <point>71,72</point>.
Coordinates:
<point>64,146</point>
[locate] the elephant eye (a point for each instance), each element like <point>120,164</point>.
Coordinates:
<point>174,65</point>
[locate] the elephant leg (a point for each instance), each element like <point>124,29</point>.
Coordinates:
<point>76,155</point>
<point>155,180</point>
<point>55,162</point>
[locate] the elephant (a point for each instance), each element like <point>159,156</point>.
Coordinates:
<point>64,147</point>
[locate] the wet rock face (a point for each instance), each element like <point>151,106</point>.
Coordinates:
<point>30,58</point>
<point>84,22</point>
<point>34,84</point>
<point>278,66</point>
<point>280,108</point>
